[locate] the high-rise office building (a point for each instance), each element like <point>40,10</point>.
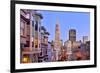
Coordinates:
<point>57,36</point>
<point>85,39</point>
<point>57,42</point>
<point>72,35</point>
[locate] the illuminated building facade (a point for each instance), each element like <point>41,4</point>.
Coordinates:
<point>32,40</point>
<point>85,39</point>
<point>44,46</point>
<point>24,36</point>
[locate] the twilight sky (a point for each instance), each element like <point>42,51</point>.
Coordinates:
<point>67,20</point>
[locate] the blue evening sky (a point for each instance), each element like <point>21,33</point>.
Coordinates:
<point>67,20</point>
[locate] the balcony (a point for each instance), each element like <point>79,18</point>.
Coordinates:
<point>28,51</point>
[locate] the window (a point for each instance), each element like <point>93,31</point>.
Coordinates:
<point>39,29</point>
<point>36,26</point>
<point>22,27</point>
<point>22,46</point>
<point>33,23</point>
<point>33,28</point>
<point>27,44</point>
<point>28,29</point>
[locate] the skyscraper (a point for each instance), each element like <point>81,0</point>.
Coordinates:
<point>57,44</point>
<point>85,39</point>
<point>72,35</point>
<point>57,36</point>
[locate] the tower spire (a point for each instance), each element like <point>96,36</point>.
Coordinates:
<point>57,44</point>
<point>57,31</point>
<point>57,21</point>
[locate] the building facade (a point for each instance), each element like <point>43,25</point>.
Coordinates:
<point>32,48</point>
<point>24,36</point>
<point>72,35</point>
<point>57,42</point>
<point>85,39</point>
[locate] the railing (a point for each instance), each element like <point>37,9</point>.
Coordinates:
<point>34,51</point>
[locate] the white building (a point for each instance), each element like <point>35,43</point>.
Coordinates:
<point>85,39</point>
<point>68,46</point>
